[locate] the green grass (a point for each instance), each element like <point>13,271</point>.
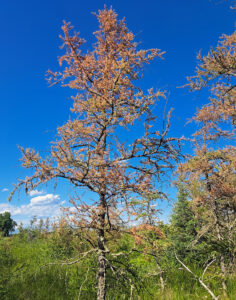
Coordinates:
<point>26,275</point>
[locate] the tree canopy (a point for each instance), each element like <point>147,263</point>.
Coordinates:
<point>89,151</point>
<point>7,224</point>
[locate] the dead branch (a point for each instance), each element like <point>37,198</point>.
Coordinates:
<point>80,289</point>
<point>198,278</point>
<point>67,263</point>
<point>207,266</point>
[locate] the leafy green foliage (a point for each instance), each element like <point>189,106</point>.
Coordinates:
<point>7,224</point>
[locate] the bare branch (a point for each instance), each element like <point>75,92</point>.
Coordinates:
<point>199,279</point>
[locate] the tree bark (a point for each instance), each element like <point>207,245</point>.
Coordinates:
<point>160,270</point>
<point>219,237</point>
<point>222,259</point>
<point>101,276</point>
<point>223,270</point>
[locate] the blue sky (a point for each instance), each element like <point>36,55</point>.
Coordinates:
<point>30,111</point>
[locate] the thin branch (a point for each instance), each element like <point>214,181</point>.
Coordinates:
<point>80,290</point>
<point>67,263</point>
<point>199,279</point>
<point>207,266</point>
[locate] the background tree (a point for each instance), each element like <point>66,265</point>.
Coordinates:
<point>183,225</point>
<point>211,180</point>
<point>217,71</point>
<point>7,224</point>
<point>210,175</point>
<point>91,151</point>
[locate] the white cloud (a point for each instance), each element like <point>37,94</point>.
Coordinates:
<point>44,200</point>
<point>5,190</point>
<point>41,206</point>
<point>35,193</point>
<point>5,207</point>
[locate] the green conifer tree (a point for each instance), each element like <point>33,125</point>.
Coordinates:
<point>183,225</point>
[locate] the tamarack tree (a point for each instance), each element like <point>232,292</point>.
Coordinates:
<point>210,174</point>
<point>89,153</point>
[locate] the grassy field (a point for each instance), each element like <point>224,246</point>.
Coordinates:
<point>32,269</point>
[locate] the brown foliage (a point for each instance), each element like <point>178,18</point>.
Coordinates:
<point>218,71</point>
<point>210,175</point>
<point>88,152</point>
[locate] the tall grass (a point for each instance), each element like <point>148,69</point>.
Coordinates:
<point>26,274</point>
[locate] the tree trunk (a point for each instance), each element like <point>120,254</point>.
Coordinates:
<point>160,270</point>
<point>219,237</point>
<point>222,259</point>
<point>101,276</point>
<point>223,270</point>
